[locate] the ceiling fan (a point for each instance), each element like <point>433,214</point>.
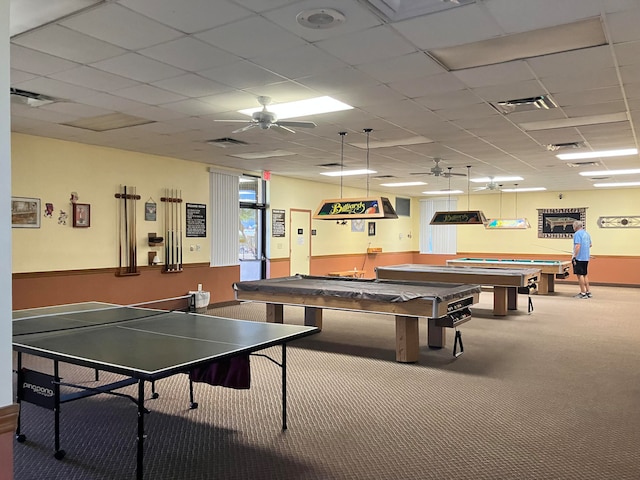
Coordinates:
<point>438,171</point>
<point>266,119</point>
<point>492,185</point>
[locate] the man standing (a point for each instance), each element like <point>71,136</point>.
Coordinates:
<point>581,255</point>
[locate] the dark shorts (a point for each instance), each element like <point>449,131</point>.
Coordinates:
<point>580,267</point>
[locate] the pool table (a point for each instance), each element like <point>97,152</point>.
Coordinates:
<point>551,269</point>
<point>446,305</point>
<point>505,281</point>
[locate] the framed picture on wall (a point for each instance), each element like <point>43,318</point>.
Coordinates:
<point>25,212</point>
<point>81,215</point>
<point>372,228</point>
<point>558,222</point>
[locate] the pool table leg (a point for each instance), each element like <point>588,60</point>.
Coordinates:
<point>512,298</point>
<point>436,336</point>
<point>407,340</point>
<point>552,282</point>
<point>313,317</point>
<point>275,313</point>
<point>543,285</point>
<point>500,301</point>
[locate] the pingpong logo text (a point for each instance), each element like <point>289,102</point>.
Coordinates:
<point>38,390</point>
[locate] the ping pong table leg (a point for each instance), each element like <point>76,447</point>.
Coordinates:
<point>140,439</point>
<point>20,437</point>
<point>58,454</point>
<point>284,386</point>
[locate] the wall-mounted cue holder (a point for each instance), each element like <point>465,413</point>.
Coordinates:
<point>127,242</point>
<point>172,202</point>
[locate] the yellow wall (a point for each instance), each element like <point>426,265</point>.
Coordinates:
<point>599,202</point>
<point>333,239</point>
<point>51,169</point>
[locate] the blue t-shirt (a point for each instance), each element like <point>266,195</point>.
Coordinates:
<point>584,239</point>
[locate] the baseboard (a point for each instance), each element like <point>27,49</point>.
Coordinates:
<point>9,418</point>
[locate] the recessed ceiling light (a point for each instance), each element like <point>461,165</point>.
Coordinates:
<point>267,154</point>
<point>320,18</point>
<point>402,184</point>
<point>495,179</point>
<point>311,106</point>
<point>600,154</point>
<point>347,173</point>
<point>442,192</point>
<point>529,189</point>
<point>620,184</point>
<point>629,171</point>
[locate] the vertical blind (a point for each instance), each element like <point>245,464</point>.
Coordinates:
<point>225,215</point>
<point>437,238</point>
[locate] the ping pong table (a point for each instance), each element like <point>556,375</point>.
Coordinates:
<point>140,343</point>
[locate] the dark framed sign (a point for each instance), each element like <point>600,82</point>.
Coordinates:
<point>81,215</point>
<point>558,222</point>
<point>196,220</point>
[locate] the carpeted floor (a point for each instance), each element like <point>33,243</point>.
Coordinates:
<point>551,395</point>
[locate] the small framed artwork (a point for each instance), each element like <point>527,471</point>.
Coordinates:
<point>81,215</point>
<point>25,212</point>
<point>372,228</point>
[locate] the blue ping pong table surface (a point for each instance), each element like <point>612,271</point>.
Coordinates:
<point>113,338</point>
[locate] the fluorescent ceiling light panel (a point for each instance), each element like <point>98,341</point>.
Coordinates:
<point>302,108</point>
<point>443,192</point>
<point>575,122</point>
<point>600,154</point>
<point>268,154</point>
<point>629,171</point>
<point>394,143</point>
<point>347,173</point>
<point>529,189</point>
<point>495,179</point>
<point>620,184</point>
<point>517,46</point>
<point>402,184</point>
<point>26,15</point>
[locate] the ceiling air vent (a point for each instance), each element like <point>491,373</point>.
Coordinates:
<point>544,102</point>
<point>31,99</point>
<point>329,165</point>
<point>582,164</point>
<point>554,147</point>
<point>226,142</point>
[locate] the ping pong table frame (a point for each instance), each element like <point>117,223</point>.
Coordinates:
<point>134,377</point>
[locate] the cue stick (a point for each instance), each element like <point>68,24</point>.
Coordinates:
<point>119,233</point>
<point>134,240</point>
<point>166,228</point>
<point>126,227</point>
<point>180,226</point>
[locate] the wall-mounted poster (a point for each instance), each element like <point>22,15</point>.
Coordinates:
<point>196,220</point>
<point>81,215</point>
<point>25,212</point>
<point>558,222</point>
<point>277,223</point>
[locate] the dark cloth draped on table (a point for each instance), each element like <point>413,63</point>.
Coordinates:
<point>233,372</point>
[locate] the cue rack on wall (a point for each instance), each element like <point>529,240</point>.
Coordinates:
<point>127,239</point>
<point>173,230</point>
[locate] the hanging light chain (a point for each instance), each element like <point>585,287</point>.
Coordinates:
<point>342,134</point>
<point>368,131</point>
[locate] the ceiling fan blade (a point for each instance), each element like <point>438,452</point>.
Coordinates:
<point>281,129</point>
<point>245,128</point>
<point>231,121</point>
<point>297,124</point>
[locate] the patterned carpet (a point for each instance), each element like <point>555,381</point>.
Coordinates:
<point>551,395</point>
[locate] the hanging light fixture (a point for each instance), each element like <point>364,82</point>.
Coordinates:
<point>508,223</point>
<point>355,208</point>
<point>459,217</point>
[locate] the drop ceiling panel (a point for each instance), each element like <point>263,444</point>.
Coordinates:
<point>431,85</point>
<point>404,67</point>
<point>300,62</point>
<point>189,54</point>
<point>242,75</point>
<point>500,74</point>
<point>38,63</point>
<point>93,78</point>
<point>68,44</point>
<point>138,67</point>
<point>189,16</point>
<point>119,26</point>
<point>191,85</point>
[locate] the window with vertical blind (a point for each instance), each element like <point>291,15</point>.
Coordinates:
<point>225,210</point>
<point>437,238</point>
